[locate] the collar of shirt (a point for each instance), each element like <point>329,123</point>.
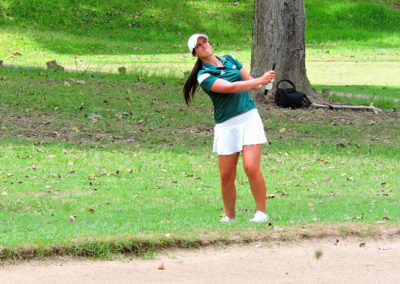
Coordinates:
<point>210,66</point>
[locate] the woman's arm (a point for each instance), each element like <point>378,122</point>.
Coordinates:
<point>245,76</point>
<point>226,87</point>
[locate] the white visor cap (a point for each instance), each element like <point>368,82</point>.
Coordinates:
<point>192,42</point>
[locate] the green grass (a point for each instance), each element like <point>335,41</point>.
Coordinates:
<point>385,97</point>
<point>356,23</point>
<point>143,173</point>
<point>348,43</point>
<point>45,29</point>
<point>134,166</point>
<point>116,27</point>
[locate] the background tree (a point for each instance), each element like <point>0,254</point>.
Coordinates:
<point>272,20</point>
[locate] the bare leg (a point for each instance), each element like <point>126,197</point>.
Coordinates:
<point>251,163</point>
<point>227,168</point>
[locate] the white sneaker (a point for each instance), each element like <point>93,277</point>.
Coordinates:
<point>260,217</point>
<point>226,219</point>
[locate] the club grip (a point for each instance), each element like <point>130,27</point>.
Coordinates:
<point>269,85</point>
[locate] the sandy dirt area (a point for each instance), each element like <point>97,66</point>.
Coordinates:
<point>339,261</point>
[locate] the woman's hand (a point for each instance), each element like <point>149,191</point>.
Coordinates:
<point>267,77</point>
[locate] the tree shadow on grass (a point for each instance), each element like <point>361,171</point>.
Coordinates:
<point>120,27</point>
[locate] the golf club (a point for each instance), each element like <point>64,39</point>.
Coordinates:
<point>269,85</point>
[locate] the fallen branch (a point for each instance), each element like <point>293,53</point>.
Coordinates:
<point>329,106</point>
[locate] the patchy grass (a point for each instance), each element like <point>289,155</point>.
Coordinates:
<point>129,162</point>
<point>385,97</point>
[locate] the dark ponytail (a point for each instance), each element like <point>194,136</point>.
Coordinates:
<point>191,83</point>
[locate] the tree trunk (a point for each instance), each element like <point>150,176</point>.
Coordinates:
<point>275,21</point>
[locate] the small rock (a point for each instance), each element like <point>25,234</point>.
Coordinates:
<point>52,65</point>
<point>122,70</point>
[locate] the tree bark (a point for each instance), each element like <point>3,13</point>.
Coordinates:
<point>275,21</point>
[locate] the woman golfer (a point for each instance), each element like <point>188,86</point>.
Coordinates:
<point>238,125</point>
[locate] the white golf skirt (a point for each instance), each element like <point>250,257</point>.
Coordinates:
<point>245,129</point>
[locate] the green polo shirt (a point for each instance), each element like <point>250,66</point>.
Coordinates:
<point>226,106</point>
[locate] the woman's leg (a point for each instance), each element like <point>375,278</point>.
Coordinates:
<point>227,169</point>
<point>251,163</point>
